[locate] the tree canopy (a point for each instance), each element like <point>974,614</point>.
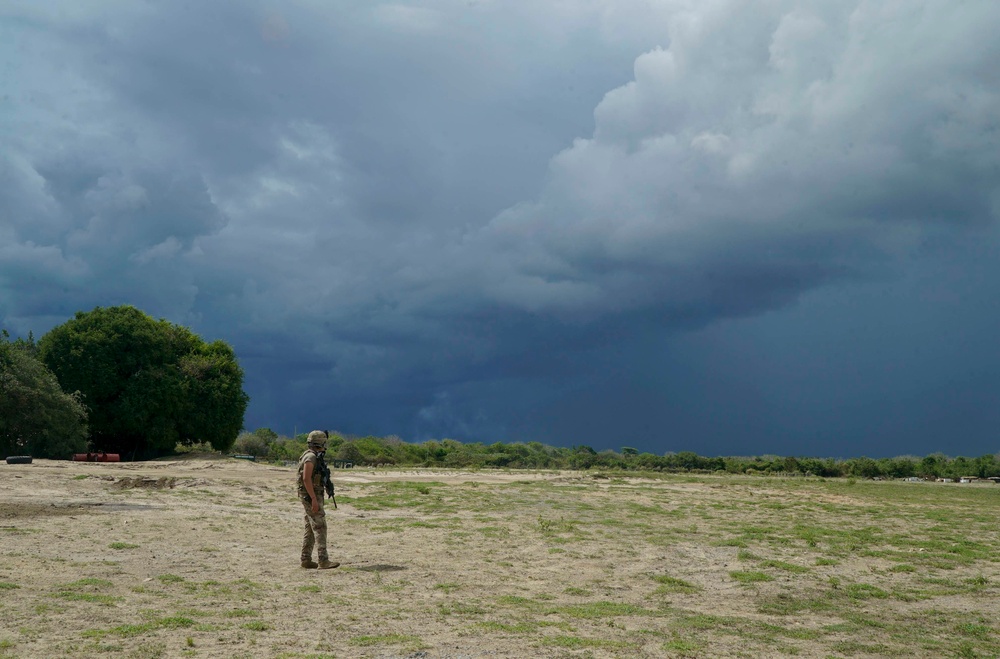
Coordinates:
<point>147,384</point>
<point>36,417</point>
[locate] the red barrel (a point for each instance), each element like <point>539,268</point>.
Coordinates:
<point>96,457</point>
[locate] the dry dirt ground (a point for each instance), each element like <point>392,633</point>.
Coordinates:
<point>199,557</point>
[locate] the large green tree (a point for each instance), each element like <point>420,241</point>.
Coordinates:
<point>36,417</point>
<point>147,384</point>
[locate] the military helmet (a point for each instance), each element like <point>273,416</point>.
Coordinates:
<point>317,439</point>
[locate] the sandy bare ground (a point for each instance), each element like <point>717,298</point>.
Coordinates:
<point>199,557</point>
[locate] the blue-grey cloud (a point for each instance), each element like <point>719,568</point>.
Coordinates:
<point>461,218</point>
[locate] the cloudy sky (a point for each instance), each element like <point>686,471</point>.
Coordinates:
<point>723,226</point>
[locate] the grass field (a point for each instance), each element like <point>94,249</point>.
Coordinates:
<point>199,558</point>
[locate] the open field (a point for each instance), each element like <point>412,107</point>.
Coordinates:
<point>199,558</point>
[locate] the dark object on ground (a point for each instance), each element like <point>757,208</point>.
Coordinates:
<point>143,482</point>
<point>19,459</point>
<point>97,457</point>
<point>251,458</point>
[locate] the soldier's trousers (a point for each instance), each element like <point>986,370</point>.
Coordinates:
<point>315,531</point>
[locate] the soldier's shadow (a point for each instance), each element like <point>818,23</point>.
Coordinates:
<point>380,567</point>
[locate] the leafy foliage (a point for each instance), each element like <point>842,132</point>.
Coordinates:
<point>148,385</point>
<point>36,417</point>
<point>256,443</point>
<point>392,450</point>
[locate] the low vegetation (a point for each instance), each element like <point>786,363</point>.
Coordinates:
<point>392,451</point>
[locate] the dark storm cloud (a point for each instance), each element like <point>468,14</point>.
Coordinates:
<point>487,219</point>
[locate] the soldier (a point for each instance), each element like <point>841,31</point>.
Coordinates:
<point>311,494</point>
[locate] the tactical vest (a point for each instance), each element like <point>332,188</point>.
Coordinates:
<point>317,477</point>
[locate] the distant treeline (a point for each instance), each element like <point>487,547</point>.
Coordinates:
<point>371,451</point>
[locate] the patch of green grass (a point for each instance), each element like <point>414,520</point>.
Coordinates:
<point>783,565</point>
<point>84,590</point>
<point>977,631</point>
<point>170,578</point>
<point>850,647</point>
<point>577,642</point>
<point>93,598</point>
<point>460,608</point>
<point>863,591</point>
<point>89,582</point>
<point>80,477</point>
<point>601,610</point>
<point>194,613</point>
<point>122,545</point>
<point>670,584</point>
<point>524,627</point>
<point>256,625</point>
<point>401,495</point>
<point>240,613</point>
<point>447,587</point>
<point>750,577</point>
<point>309,589</point>
<point>582,592</point>
<point>966,651</point>
<point>8,586</point>
<point>125,631</point>
<point>682,646</point>
<point>550,527</point>
<point>785,604</point>
<point>384,639</point>
<point>864,620</point>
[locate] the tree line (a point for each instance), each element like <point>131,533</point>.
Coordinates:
<point>116,380</point>
<point>392,450</point>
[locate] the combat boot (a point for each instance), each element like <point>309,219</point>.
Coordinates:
<point>309,563</point>
<point>326,564</point>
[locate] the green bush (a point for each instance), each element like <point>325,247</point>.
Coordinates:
<point>36,416</point>
<point>147,384</point>
<point>253,443</point>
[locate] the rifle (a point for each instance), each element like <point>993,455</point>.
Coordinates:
<point>327,482</point>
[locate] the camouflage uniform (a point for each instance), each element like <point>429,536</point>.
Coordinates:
<point>315,523</point>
